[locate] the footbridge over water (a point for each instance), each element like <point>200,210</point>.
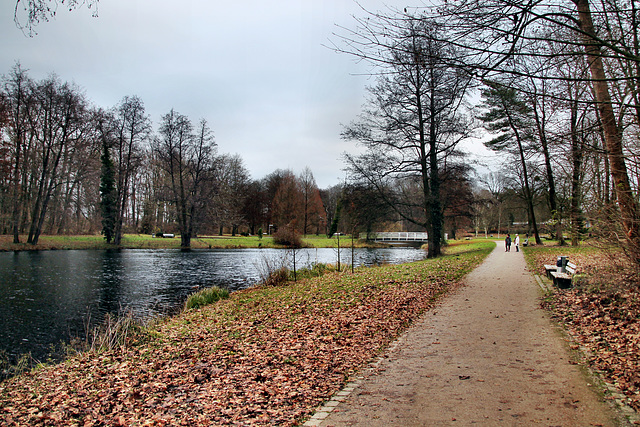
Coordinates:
<point>398,237</point>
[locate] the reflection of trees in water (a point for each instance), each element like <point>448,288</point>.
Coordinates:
<point>110,283</point>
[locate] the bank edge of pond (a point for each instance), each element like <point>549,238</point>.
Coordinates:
<point>267,354</point>
<point>139,241</point>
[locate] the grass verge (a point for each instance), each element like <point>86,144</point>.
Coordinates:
<point>205,297</point>
<point>143,241</point>
<point>264,356</point>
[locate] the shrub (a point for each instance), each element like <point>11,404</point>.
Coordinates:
<point>277,277</point>
<point>205,297</point>
<point>115,332</point>
<point>272,269</point>
<point>287,236</point>
<point>8,369</point>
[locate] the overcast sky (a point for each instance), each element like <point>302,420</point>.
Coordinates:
<point>256,70</point>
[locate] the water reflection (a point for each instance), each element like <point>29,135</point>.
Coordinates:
<point>49,296</point>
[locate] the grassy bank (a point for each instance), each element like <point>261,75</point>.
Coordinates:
<point>601,312</point>
<point>263,356</point>
<point>143,241</point>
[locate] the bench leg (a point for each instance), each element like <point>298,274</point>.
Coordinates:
<point>564,283</point>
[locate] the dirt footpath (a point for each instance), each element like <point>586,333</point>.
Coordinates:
<point>487,355</point>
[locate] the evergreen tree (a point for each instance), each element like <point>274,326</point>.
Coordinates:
<point>107,194</point>
<point>509,117</point>
<point>336,219</point>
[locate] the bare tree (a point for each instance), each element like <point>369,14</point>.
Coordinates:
<point>231,183</point>
<point>51,169</point>
<point>312,202</point>
<point>483,205</point>
<point>17,89</point>
<point>494,32</point>
<point>56,122</point>
<point>131,128</point>
<point>288,203</point>
<point>496,184</point>
<point>457,197</point>
<point>413,118</point>
<point>187,162</point>
<point>255,206</point>
<point>330,197</point>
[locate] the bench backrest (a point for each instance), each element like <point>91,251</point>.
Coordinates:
<point>571,268</point>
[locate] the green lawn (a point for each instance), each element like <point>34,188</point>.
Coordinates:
<point>144,241</point>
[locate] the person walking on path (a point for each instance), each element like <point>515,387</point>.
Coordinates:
<point>507,243</point>
<point>486,355</point>
<point>516,242</point>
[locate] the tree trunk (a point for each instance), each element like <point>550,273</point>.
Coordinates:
<point>528,194</point>
<point>628,207</point>
<point>433,201</point>
<point>553,204</point>
<point>35,214</point>
<point>577,154</point>
<point>50,186</point>
<point>16,192</point>
<point>576,222</point>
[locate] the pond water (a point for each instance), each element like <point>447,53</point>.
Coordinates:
<point>49,297</point>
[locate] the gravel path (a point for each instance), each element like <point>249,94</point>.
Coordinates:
<point>487,355</point>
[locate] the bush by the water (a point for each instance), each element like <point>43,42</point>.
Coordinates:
<point>205,297</point>
<point>277,277</point>
<point>9,369</point>
<point>287,236</point>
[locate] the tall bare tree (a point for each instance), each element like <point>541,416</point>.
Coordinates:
<point>288,203</point>
<point>413,119</point>
<point>231,183</point>
<point>312,202</point>
<point>131,129</point>
<point>57,121</point>
<point>17,89</point>
<point>186,159</point>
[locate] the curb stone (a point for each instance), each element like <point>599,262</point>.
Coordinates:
<point>543,285</point>
<point>324,410</point>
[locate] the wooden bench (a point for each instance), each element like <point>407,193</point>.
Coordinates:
<point>548,269</point>
<point>563,280</point>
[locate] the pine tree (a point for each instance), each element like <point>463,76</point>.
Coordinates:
<point>508,115</point>
<point>336,219</point>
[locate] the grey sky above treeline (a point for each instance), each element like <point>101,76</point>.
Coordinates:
<point>257,70</point>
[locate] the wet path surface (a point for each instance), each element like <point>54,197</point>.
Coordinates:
<point>487,355</point>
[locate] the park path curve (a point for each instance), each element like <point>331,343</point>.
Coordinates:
<point>486,355</point>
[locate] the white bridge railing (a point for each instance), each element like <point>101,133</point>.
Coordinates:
<point>401,236</point>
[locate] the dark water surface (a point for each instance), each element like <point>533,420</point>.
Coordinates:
<point>49,297</point>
